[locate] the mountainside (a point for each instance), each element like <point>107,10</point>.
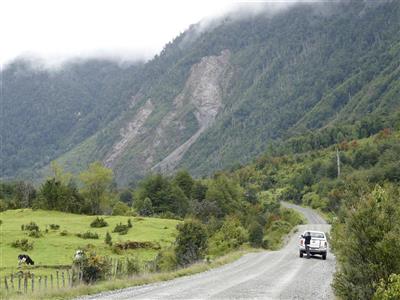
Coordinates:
<point>213,97</point>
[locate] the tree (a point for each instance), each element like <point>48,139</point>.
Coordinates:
<point>191,242</point>
<point>96,180</point>
<point>108,239</point>
<point>367,244</point>
<point>184,181</point>
<point>165,196</point>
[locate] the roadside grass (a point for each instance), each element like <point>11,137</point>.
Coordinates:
<point>132,281</point>
<point>53,251</point>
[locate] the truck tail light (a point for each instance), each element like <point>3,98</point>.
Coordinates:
<point>302,242</point>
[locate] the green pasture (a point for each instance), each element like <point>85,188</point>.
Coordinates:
<point>53,251</point>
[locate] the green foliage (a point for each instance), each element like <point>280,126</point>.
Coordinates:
<point>229,237</point>
<point>191,242</point>
<point>120,209</point>
<point>22,244</point>
<point>166,260</point>
<point>121,229</point>
<point>256,235</point>
<point>367,244</point>
<point>389,290</point>
<point>95,268</point>
<point>88,235</point>
<point>98,223</point>
<point>54,226</point>
<point>96,180</point>
<point>164,195</point>
<point>64,233</point>
<point>108,239</point>
<point>132,266</point>
<point>31,226</point>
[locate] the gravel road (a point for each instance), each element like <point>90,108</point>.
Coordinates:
<point>263,275</point>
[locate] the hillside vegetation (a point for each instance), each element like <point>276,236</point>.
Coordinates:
<point>212,97</point>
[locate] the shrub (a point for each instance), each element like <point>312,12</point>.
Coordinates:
<point>95,268</point>
<point>98,223</point>
<point>108,239</point>
<point>35,234</point>
<point>136,245</point>
<point>388,290</point>
<point>1,222</point>
<point>166,260</point>
<point>120,209</point>
<point>129,223</point>
<point>32,226</point>
<point>191,242</point>
<point>256,235</point>
<point>88,235</point>
<point>54,226</point>
<point>121,228</point>
<point>64,233</point>
<point>22,244</point>
<point>230,236</point>
<point>132,265</point>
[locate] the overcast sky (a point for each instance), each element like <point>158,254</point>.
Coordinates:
<point>127,29</point>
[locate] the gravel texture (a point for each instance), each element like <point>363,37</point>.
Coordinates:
<point>263,275</point>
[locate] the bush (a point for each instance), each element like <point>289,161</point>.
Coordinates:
<point>95,268</point>
<point>166,260</point>
<point>256,235</point>
<point>32,226</point>
<point>121,228</point>
<point>230,236</point>
<point>1,222</point>
<point>98,223</point>
<point>54,226</point>
<point>367,239</point>
<point>136,245</point>
<point>129,223</point>
<point>191,242</point>
<point>35,234</point>
<point>64,233</point>
<point>132,265</point>
<point>108,239</point>
<point>388,290</point>
<point>88,235</point>
<point>22,244</point>
<point>120,209</point>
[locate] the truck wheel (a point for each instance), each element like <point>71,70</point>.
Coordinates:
<point>324,256</point>
<point>301,254</point>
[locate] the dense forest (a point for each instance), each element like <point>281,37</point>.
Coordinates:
<point>284,74</point>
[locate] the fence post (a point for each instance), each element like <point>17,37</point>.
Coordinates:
<point>69,279</point>
<point>40,283</point>
<point>12,281</point>
<point>5,283</point>
<point>19,283</point>
<point>63,279</point>
<point>25,284</point>
<point>45,282</point>
<point>51,281</point>
<point>58,280</point>
<point>33,283</point>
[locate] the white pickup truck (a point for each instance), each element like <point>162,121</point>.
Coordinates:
<point>318,243</point>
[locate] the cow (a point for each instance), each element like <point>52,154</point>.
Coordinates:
<point>25,259</point>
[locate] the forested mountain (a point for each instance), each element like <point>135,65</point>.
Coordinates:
<point>214,97</point>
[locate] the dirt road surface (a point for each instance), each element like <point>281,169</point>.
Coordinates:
<point>263,275</point>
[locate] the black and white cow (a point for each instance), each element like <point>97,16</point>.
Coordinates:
<point>24,258</point>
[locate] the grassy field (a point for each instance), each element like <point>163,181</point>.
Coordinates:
<point>52,251</point>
